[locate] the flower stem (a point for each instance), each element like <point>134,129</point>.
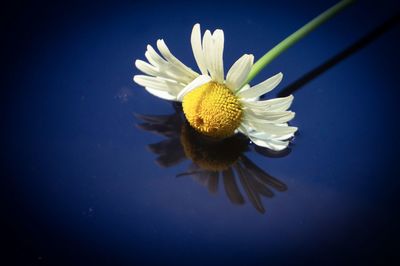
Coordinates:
<point>295,37</point>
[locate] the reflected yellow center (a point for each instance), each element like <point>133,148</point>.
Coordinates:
<point>211,155</point>
<point>213,110</point>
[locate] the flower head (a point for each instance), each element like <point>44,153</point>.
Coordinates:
<point>215,105</point>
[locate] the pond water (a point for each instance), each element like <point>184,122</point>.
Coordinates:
<point>98,171</point>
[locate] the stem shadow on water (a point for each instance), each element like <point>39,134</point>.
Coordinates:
<point>355,47</point>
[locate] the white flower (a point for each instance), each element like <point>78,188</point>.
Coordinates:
<point>213,105</point>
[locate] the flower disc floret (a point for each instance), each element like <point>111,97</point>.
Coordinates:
<point>213,110</point>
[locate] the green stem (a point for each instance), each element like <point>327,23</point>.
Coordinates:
<point>295,37</point>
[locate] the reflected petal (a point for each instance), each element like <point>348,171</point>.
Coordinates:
<point>200,175</point>
<point>189,173</point>
<point>249,189</point>
<point>271,153</point>
<point>258,186</point>
<point>165,146</point>
<point>162,130</point>
<point>156,119</point>
<point>231,188</point>
<point>262,175</point>
<point>172,158</point>
<point>212,183</point>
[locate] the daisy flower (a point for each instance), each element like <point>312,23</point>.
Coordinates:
<point>216,105</point>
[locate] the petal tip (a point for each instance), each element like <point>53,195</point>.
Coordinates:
<point>135,79</point>
<point>137,62</point>
<point>218,32</point>
<point>251,57</point>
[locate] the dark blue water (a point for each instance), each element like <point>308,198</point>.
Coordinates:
<point>82,186</point>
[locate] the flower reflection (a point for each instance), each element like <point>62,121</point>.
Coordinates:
<point>212,162</point>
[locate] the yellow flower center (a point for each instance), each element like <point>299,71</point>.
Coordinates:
<point>213,110</point>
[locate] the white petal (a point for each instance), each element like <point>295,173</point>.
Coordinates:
<point>276,145</point>
<point>197,49</point>
<point>213,46</point>
<point>146,68</point>
<point>158,83</point>
<point>264,140</point>
<point>268,117</point>
<point>171,70</point>
<point>218,38</point>
<point>249,130</point>
<point>174,61</point>
<point>200,80</point>
<point>261,110</point>
<point>207,50</point>
<point>271,129</point>
<point>165,72</point>
<point>153,57</point>
<point>264,135</point>
<point>151,82</point>
<point>239,71</point>
<point>245,87</point>
<point>161,94</point>
<point>261,88</point>
<point>277,104</point>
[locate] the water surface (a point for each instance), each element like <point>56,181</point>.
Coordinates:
<point>83,186</point>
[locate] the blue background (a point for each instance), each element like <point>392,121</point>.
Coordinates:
<point>81,188</point>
